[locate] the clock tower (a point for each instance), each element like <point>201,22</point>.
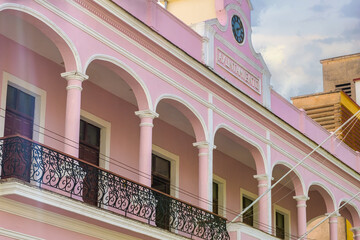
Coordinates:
<point>225,26</point>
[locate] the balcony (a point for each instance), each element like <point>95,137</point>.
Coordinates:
<point>52,170</point>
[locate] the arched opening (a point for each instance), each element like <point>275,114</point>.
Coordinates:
<point>320,203</point>
<point>284,207</point>
<point>178,127</point>
<point>34,52</point>
<point>350,217</point>
<point>236,161</point>
<point>110,98</point>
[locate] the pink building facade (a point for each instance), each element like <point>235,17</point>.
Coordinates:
<point>119,121</point>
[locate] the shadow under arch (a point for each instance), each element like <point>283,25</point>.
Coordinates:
<point>195,119</point>
<point>255,150</point>
<point>294,177</point>
<point>136,84</point>
<point>350,212</point>
<point>61,40</point>
<point>325,193</point>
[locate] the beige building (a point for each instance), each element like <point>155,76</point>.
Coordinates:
<point>339,73</point>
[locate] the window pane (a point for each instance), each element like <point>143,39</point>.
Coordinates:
<point>25,103</point>
<point>162,167</point>
<point>82,130</point>
<point>248,216</point>
<point>215,198</point>
<point>11,98</point>
<point>92,135</point>
<point>280,225</point>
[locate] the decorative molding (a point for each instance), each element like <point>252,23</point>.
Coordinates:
<point>238,95</point>
<point>17,187</point>
<point>238,71</point>
<point>17,235</point>
<point>74,75</point>
<point>202,144</point>
<point>147,114</point>
<point>301,198</point>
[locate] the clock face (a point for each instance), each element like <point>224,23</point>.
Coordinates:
<point>238,29</point>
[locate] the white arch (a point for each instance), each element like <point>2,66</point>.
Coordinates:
<point>189,106</point>
<point>352,205</point>
<point>122,65</point>
<point>295,171</point>
<point>317,183</point>
<point>242,137</point>
<point>50,24</point>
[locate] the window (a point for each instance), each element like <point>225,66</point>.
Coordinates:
<point>280,225</point>
<point>215,198</point>
<point>219,195</point>
<point>89,142</point>
<point>345,87</point>
<point>160,174</point>
<point>281,222</point>
<point>19,117</point>
<point>248,216</point>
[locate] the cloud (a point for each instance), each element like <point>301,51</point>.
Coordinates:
<point>293,36</point>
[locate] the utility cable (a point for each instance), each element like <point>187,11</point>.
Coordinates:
<point>334,212</point>
<point>293,168</point>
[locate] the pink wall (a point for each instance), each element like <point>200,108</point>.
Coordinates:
<point>44,74</point>
<point>38,229</point>
<point>237,175</point>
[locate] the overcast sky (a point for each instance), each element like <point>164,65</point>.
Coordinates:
<point>293,36</point>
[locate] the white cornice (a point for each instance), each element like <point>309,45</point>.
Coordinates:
<point>17,235</point>
<point>73,206</point>
<point>202,70</point>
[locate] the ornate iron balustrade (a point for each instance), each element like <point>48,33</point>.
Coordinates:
<point>35,163</point>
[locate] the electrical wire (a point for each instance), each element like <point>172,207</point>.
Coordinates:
<point>136,171</point>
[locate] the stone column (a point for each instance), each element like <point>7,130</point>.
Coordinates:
<point>333,226</point>
<point>73,108</point>
<point>356,231</point>
<point>204,175</point>
<point>263,203</point>
<point>145,148</point>
<point>301,214</point>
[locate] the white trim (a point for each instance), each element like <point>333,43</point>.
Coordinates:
<point>51,25</point>
<point>76,207</point>
<point>295,171</point>
<point>252,197</point>
<point>222,194</point>
<point>240,96</point>
<point>174,168</point>
<point>247,100</point>
<point>245,139</point>
<point>17,235</point>
<point>191,108</point>
<point>321,185</point>
<point>105,136</point>
<point>40,104</point>
<point>239,228</point>
<point>287,219</point>
<point>125,67</point>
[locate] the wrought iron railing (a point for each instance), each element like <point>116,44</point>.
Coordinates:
<point>35,163</point>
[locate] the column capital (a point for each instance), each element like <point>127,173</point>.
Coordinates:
<point>147,114</point>
<point>333,214</point>
<point>301,198</point>
<point>356,231</point>
<point>74,75</point>
<point>203,144</point>
<point>261,177</point>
